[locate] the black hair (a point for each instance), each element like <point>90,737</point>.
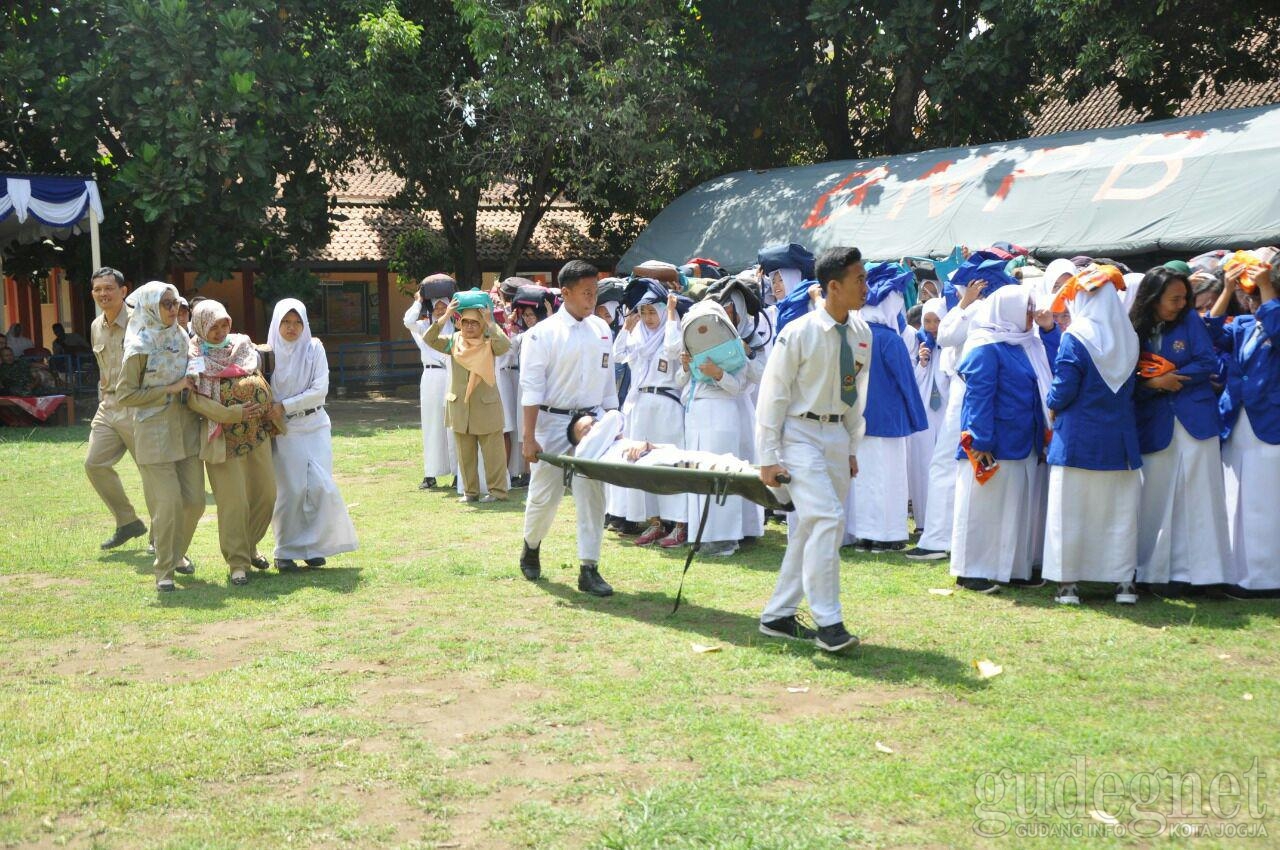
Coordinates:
<point>574,271</point>
<point>58,328</point>
<point>832,262</point>
<point>1150,291</point>
<point>915,316</point>
<point>107,271</point>
<point>573,441</point>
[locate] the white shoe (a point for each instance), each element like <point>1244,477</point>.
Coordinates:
<point>1067,595</point>
<point>1126,593</point>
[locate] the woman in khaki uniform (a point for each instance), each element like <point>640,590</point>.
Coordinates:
<point>235,442</point>
<point>166,433</point>
<point>475,411</point>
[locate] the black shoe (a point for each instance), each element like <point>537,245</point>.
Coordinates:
<point>285,565</point>
<point>787,627</point>
<point>124,534</point>
<point>1027,582</point>
<point>519,481</point>
<point>187,567</point>
<point>530,564</point>
<point>427,483</point>
<point>835,637</point>
<point>165,587</point>
<point>978,585</point>
<point>589,581</point>
<point>917,553</point>
<point>632,529</point>
<point>315,562</point>
<point>259,563</point>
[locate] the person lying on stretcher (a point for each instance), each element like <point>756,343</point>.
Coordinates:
<point>600,438</point>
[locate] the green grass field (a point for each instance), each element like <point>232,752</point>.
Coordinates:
<point>420,693</point>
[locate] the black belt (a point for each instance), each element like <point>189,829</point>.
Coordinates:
<point>302,413</point>
<point>824,418</point>
<point>432,366</point>
<point>666,392</point>
<point>561,412</point>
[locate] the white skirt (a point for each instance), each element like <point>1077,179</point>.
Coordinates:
<point>752,514</point>
<point>658,419</point>
<point>877,508</point>
<point>1252,482</point>
<point>919,458</point>
<point>712,425</point>
<point>437,440</point>
<point>1091,526</point>
<point>1182,521</point>
<point>993,535</point>
<point>942,473</point>
<point>310,518</point>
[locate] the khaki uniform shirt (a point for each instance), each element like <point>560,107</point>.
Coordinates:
<point>484,414</point>
<point>108,350</point>
<point>171,435</point>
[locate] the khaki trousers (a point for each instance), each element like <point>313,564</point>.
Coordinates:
<point>495,463</point>
<point>245,490</point>
<point>110,437</point>
<point>176,489</point>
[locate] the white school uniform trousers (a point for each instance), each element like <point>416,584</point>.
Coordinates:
<point>803,376</point>
<point>437,439</point>
<point>934,387</point>
<point>565,365</point>
<point>508,366</point>
<point>953,330</point>
<point>656,414</point>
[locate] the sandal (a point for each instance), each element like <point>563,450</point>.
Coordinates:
<point>238,577</point>
<point>166,586</point>
<point>187,567</point>
<point>259,562</point>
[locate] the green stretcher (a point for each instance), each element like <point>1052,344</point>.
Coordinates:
<point>669,481</point>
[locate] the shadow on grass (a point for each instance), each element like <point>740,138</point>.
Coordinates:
<point>887,663</point>
<point>1206,611</point>
<point>55,434</point>
<point>209,587</point>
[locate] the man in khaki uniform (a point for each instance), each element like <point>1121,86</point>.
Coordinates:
<point>474,405</point>
<point>111,432</point>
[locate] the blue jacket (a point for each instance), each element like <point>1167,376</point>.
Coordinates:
<point>1001,402</point>
<point>1051,338</point>
<point>894,408</point>
<point>1188,346</point>
<point>1094,428</point>
<point>1253,382</point>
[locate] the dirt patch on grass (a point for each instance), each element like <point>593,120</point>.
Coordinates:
<point>194,654</point>
<point>39,581</point>
<point>446,711</point>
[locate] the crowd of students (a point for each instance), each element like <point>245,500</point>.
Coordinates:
<point>187,397</point>
<point>1073,422</point>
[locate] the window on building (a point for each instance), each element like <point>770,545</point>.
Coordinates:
<point>345,307</point>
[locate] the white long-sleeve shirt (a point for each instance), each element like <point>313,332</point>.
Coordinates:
<point>568,364</point>
<point>657,371</point>
<point>953,330</point>
<point>417,327</point>
<point>803,376</point>
<point>311,396</point>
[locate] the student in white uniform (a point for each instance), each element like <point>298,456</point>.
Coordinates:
<point>566,368</point>
<point>310,520</point>
<point>649,343</point>
<point>437,439</point>
<point>808,425</point>
<point>934,386</point>
<point>713,423</point>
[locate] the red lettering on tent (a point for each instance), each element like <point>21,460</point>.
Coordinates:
<point>856,196</point>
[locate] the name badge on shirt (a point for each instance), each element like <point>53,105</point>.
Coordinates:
<point>662,366</point>
<point>604,360</point>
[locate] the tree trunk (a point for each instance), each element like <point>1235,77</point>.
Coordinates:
<point>539,199</point>
<point>831,112</point>
<point>899,134</point>
<point>459,221</point>
<point>153,259</point>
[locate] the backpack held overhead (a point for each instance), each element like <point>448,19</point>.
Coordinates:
<point>708,334</point>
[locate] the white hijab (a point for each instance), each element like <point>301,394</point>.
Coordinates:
<point>1099,321</point>
<point>650,341</point>
<point>165,347</point>
<point>886,313</point>
<point>1004,319</point>
<point>295,362</point>
<point>1052,272</point>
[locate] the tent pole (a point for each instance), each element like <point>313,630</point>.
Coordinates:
<point>94,239</point>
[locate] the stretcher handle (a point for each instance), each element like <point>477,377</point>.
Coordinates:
<point>784,478</point>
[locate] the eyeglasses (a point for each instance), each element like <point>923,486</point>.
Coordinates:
<point>169,303</point>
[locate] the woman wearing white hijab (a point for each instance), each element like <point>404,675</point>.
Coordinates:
<point>1091,529</point>
<point>310,520</point>
<point>649,343</point>
<point>934,385</point>
<point>166,431</point>
<point>994,537</point>
<point>438,450</point>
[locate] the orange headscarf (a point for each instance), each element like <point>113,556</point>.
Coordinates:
<point>1086,280</point>
<point>1253,265</point>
